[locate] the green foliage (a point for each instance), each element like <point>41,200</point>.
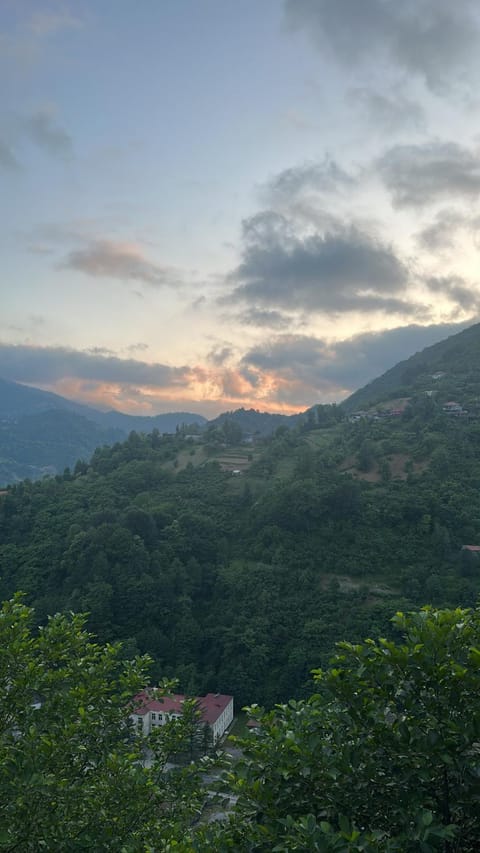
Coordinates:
<point>71,768</point>
<point>222,579</point>
<point>384,757</point>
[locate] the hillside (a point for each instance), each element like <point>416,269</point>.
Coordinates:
<point>43,433</point>
<point>237,565</point>
<point>254,422</point>
<point>47,442</point>
<point>457,359</point>
<point>242,582</point>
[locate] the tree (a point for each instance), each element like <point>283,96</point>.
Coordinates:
<point>71,768</point>
<point>385,757</point>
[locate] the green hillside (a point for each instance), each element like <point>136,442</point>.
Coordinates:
<point>457,358</point>
<point>242,582</point>
<point>42,433</point>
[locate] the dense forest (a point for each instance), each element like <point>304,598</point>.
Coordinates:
<point>243,582</point>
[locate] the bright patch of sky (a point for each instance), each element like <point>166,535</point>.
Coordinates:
<point>216,204</point>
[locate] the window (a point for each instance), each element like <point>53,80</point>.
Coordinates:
<point>154,716</point>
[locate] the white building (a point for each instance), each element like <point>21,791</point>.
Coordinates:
<point>216,710</point>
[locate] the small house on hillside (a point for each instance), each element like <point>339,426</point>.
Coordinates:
<point>216,711</point>
<point>452,408</point>
<point>472,549</point>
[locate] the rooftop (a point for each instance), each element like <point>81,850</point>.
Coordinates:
<point>211,706</point>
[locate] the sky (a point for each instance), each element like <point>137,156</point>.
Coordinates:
<point>209,204</point>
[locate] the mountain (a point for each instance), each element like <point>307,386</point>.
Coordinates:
<point>43,433</point>
<point>253,421</point>
<point>143,423</point>
<point>47,442</point>
<point>450,368</point>
<point>17,400</point>
<point>238,567</point>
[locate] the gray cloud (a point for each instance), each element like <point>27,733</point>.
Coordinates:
<point>433,39</point>
<point>219,355</point>
<point>339,270</point>
<point>327,371</point>
<point>322,177</point>
<point>417,175</point>
<point>42,129</point>
<point>443,231</point>
<point>47,365</point>
<point>138,347</point>
<point>110,259</point>
<point>268,319</point>
<point>389,112</point>
<point>8,161</point>
<point>456,289</point>
<point>48,23</point>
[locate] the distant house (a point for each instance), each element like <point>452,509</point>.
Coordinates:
<point>216,711</point>
<point>248,438</point>
<point>439,375</point>
<point>472,549</point>
<point>452,408</point>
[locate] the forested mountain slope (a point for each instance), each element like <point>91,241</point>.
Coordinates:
<point>457,359</point>
<point>43,433</point>
<point>242,583</point>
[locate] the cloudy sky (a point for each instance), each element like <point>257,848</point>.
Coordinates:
<point>207,204</point>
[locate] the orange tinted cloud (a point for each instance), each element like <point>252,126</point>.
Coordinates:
<point>208,392</point>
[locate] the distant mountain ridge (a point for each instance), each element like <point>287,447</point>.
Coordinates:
<point>17,399</point>
<point>33,442</point>
<point>43,433</point>
<point>253,421</point>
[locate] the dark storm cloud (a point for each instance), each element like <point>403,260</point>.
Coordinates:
<point>42,129</point>
<point>47,365</point>
<point>344,365</point>
<point>390,112</point>
<point>339,270</point>
<point>434,39</point>
<point>417,175</point>
<point>110,259</point>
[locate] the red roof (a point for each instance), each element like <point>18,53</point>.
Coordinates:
<point>168,704</point>
<point>212,705</point>
<point>471,548</point>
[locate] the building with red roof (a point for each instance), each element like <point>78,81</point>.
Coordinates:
<point>216,711</point>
